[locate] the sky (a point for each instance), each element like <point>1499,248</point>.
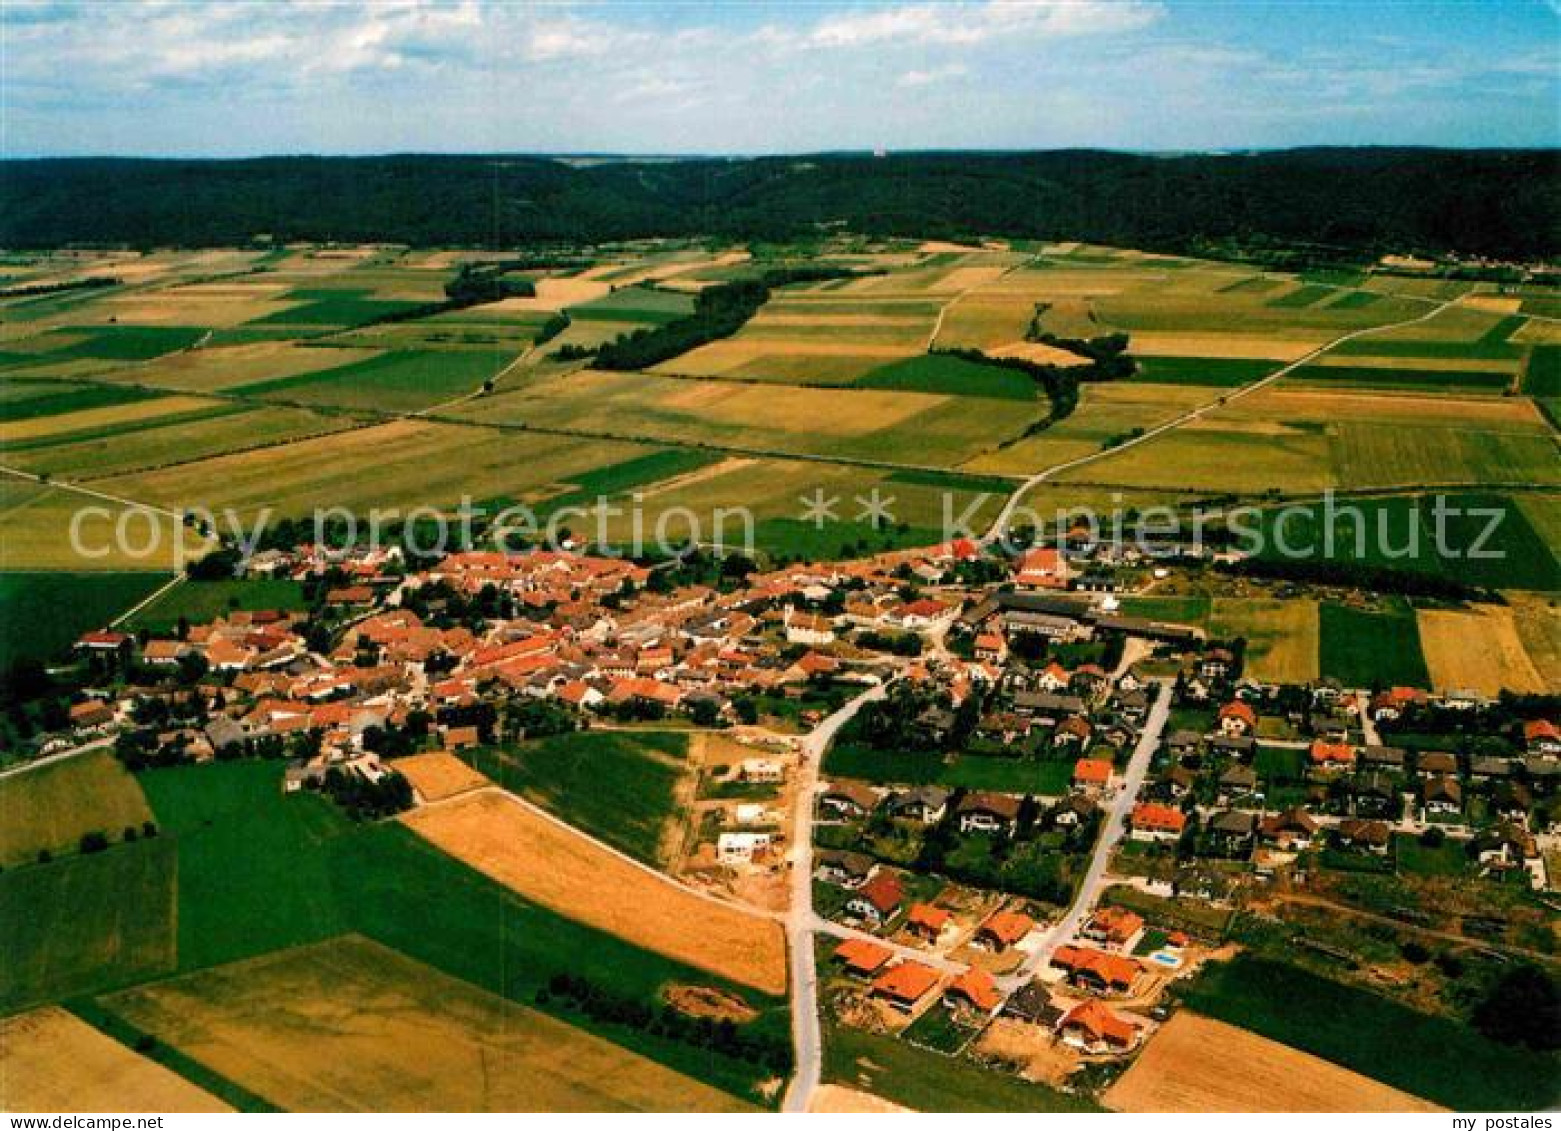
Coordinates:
<point>651,77</point>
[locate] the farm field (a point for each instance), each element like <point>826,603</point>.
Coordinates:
<point>201,601</point>
<point>438,775</point>
<point>100,452</point>
<point>219,368</point>
<point>405,380</point>
<point>52,1061</point>
<point>618,786</point>
<point>1282,636</point>
<point>927,1081</point>
<point>87,923</point>
<point>1362,649</point>
<point>556,867</point>
<point>260,872</point>
<point>49,807</point>
<point>1299,440</point>
<point>35,533</point>
<point>1186,1067</point>
<point>403,464</point>
<point>349,1025</point>
<point>1479,650</point>
<point>44,613</point>
<point>1432,1057</point>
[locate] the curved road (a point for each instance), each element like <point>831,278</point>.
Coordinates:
<point>800,922</point>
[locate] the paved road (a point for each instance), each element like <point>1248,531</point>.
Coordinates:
<point>800,921</point>
<point>1005,516</point>
<point>1111,831</point>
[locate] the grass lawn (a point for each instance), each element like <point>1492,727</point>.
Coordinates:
<point>260,871</point>
<point>929,1081</point>
<point>937,1030</point>
<point>1434,1057</point>
<point>1362,648</point>
<point>44,613</point>
<point>202,601</point>
<point>940,373</point>
<point>86,923</point>
<point>50,807</point>
<point>1050,776</point>
<point>1446,859</point>
<point>616,785</point>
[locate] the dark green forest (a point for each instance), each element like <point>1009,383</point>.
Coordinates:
<point>1499,203</point>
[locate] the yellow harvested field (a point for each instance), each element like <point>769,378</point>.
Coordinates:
<point>1496,304</point>
<point>439,775</point>
<point>1259,347</point>
<point>350,1025</point>
<point>133,413</point>
<point>1480,650</point>
<point>1538,622</point>
<point>185,306</point>
<point>1282,636</point>
<point>51,1060</point>
<point>1423,364</point>
<point>832,1099</point>
<point>1195,1064</point>
<point>1285,404</point>
<point>572,291</point>
<point>967,278</point>
<point>223,367</point>
<point>1038,352</point>
<point>567,872</point>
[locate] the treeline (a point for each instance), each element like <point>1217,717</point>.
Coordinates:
<point>1060,383</point>
<point>1356,575</point>
<point>719,312</point>
<point>1336,204</point>
<point>771,1051</point>
<point>91,283</point>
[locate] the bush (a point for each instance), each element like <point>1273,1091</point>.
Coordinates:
<point>93,842</point>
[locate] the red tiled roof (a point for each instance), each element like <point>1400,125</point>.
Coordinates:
<point>1113,969</point>
<point>1007,927</point>
<point>862,956</point>
<point>908,981</point>
<point>1158,818</point>
<point>977,987</point>
<point>1094,771</point>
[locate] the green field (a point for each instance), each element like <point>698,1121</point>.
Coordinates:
<point>344,307</point>
<point>260,871</point>
<point>1400,377</point>
<point>929,1081</point>
<point>87,923</point>
<point>1543,378</point>
<point>1364,649</point>
<point>44,613</point>
<point>1401,533</point>
<point>942,373</point>
<point>398,381</point>
<point>28,400</point>
<point>1049,777</point>
<point>50,806</point>
<point>1217,371</point>
<point>199,602</point>
<point>1434,1057</point>
<point>616,785</point>
<point>126,343</point>
<point>635,304</point>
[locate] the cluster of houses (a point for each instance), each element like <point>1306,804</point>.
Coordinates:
<point>1226,792</point>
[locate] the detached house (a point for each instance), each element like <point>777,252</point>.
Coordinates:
<point>877,900</point>
<point>1093,1027</point>
<point>1441,796</point>
<point>1096,970</point>
<point>1156,822</point>
<point>988,813</point>
<point>1237,718</point>
<point>848,800</point>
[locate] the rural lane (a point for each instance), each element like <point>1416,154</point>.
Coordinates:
<point>1005,516</point>
<point>1111,831</point>
<point>807,1038</point>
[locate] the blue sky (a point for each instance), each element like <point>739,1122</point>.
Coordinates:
<point>232,79</point>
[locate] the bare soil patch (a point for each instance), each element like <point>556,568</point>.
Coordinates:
<point>832,1099</point>
<point>707,1001</point>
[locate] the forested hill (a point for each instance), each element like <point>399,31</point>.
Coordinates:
<point>1502,203</point>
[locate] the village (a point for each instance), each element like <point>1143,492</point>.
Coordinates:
<point>1042,822</point>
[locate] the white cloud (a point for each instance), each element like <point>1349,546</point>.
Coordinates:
<point>960,24</point>
<point>934,75</point>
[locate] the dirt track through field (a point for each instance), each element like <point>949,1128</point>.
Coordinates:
<point>1195,1064</point>
<point>568,872</point>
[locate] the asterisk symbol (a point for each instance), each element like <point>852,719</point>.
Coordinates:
<point>818,508</point>
<point>875,508</point>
